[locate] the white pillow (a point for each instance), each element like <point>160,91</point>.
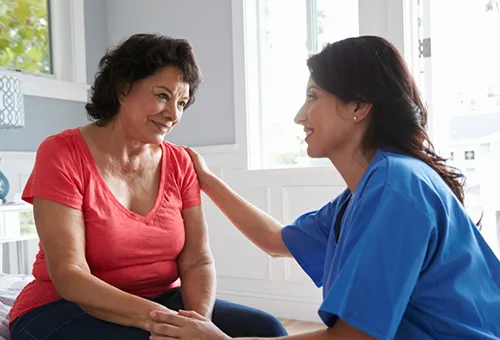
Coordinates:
<point>4,322</point>
<point>10,287</point>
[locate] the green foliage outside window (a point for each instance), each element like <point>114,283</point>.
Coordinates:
<point>24,35</point>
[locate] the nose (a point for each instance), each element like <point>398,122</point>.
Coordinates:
<point>301,115</point>
<point>172,112</point>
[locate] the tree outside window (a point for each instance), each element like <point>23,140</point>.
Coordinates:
<point>24,35</point>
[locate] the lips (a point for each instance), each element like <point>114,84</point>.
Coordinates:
<point>162,126</point>
<point>308,132</point>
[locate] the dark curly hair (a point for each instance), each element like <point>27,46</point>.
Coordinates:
<point>370,69</point>
<point>136,58</point>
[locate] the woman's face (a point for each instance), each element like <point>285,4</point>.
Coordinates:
<point>328,123</point>
<point>331,126</point>
<point>154,105</point>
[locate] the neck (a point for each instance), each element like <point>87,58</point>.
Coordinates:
<point>119,145</point>
<point>352,164</point>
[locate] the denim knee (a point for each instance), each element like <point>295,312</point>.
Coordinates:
<point>268,325</point>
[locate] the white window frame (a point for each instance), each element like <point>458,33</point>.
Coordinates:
<point>391,19</point>
<point>69,78</point>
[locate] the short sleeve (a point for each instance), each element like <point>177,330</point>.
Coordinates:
<point>307,240</point>
<point>378,273</point>
<point>190,190</point>
<point>55,175</point>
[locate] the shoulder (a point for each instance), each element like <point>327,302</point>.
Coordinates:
<point>62,146</point>
<point>176,151</point>
<point>178,160</point>
<point>393,168</point>
<point>407,181</point>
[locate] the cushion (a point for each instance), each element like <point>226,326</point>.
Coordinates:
<point>10,287</point>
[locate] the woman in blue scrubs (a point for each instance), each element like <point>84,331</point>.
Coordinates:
<point>396,253</point>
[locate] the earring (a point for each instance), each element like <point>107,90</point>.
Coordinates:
<point>355,118</point>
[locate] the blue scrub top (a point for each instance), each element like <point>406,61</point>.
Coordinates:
<point>409,263</point>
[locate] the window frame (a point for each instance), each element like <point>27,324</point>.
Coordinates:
<point>68,80</point>
<point>392,19</point>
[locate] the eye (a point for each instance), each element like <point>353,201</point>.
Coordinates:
<point>182,103</point>
<point>311,96</point>
<point>163,96</point>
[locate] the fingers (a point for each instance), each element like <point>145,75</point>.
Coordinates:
<point>159,337</point>
<point>191,152</point>
<point>168,318</point>
<point>163,330</point>
<point>191,314</point>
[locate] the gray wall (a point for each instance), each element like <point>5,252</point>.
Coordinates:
<point>207,25</point>
<point>44,116</point>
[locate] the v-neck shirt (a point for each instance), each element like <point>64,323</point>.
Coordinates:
<point>135,253</point>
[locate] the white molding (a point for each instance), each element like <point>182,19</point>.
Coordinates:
<point>283,306</point>
<point>67,27</point>
<point>410,31</point>
<point>47,87</point>
<point>18,154</point>
<point>239,81</point>
<point>216,149</point>
<point>79,59</point>
<point>395,22</point>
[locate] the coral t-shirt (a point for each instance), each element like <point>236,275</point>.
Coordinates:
<point>135,253</point>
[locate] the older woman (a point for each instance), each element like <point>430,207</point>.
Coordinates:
<point>118,211</point>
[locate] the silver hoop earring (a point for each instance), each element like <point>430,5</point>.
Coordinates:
<point>355,118</point>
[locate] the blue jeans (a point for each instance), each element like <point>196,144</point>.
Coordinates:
<point>65,320</point>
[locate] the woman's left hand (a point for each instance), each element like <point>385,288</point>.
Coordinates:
<point>185,325</point>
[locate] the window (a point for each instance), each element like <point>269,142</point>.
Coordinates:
<point>469,155</point>
<point>462,87</point>
<point>43,43</point>
<point>287,33</point>
<point>24,35</point>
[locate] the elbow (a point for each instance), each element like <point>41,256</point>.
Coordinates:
<point>67,282</point>
<point>274,255</point>
<point>204,261</point>
<point>66,292</point>
<point>275,247</point>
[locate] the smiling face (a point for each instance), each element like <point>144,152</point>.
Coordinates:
<point>329,123</point>
<point>154,105</point>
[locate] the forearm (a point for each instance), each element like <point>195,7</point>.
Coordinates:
<point>198,288</point>
<point>340,330</point>
<point>259,227</point>
<point>317,335</point>
<point>104,301</point>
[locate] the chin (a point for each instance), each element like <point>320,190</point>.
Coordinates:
<point>314,153</point>
<point>157,139</point>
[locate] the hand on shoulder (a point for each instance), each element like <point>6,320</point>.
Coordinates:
<point>201,167</point>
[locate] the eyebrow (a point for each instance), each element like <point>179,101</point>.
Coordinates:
<point>313,87</point>
<point>169,90</point>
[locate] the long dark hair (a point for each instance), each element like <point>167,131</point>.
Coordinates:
<point>370,69</point>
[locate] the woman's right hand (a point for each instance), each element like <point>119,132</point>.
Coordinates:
<point>259,227</point>
<point>201,167</point>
